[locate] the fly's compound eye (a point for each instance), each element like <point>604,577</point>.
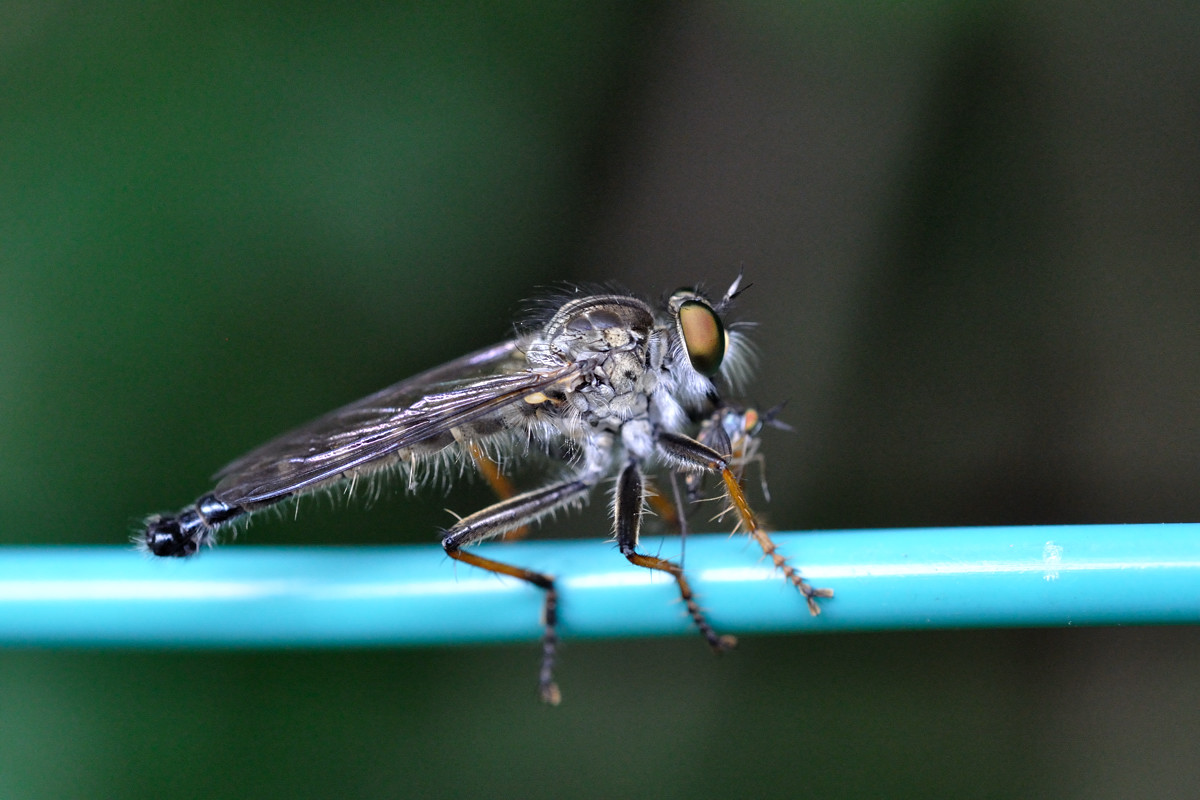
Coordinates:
<point>703,335</point>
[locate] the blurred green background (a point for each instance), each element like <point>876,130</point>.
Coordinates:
<point>972,230</point>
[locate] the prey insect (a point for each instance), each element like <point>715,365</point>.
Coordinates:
<point>605,382</point>
<point>734,430</point>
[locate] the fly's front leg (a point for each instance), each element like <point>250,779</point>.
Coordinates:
<point>693,455</point>
<point>627,517</point>
<point>510,514</point>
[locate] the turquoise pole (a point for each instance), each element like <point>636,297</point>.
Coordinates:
<point>920,578</point>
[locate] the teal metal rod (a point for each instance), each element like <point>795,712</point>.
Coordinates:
<point>352,596</point>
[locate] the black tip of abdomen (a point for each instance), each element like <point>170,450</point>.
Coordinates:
<point>185,533</point>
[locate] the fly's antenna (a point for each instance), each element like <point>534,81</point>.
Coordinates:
<point>733,291</point>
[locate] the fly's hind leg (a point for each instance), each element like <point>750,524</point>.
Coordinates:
<point>694,455</point>
<point>517,512</point>
<point>501,485</point>
<point>669,510</point>
<point>627,517</point>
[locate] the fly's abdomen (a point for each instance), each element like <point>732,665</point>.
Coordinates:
<point>192,528</point>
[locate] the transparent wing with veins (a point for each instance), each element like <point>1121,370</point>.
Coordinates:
<point>471,392</point>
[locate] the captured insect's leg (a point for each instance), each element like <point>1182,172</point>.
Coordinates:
<point>627,516</point>
<point>680,505</point>
<point>499,482</point>
<point>507,515</point>
<point>682,450</point>
<point>681,512</point>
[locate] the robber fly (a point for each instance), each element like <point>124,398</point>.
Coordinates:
<point>606,380</point>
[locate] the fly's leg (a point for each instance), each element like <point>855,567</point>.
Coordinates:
<point>510,514</point>
<point>627,517</point>
<point>499,482</point>
<point>673,512</point>
<point>693,455</point>
<point>668,510</point>
<point>713,436</point>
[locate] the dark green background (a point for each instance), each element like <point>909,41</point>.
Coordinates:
<point>972,233</point>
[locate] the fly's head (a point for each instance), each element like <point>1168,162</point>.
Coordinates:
<point>632,358</point>
<point>699,347</point>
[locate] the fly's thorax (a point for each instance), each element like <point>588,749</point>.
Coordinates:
<point>591,329</point>
<point>637,436</point>
<point>607,336</point>
<point>605,403</point>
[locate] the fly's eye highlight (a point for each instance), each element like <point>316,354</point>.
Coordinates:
<point>703,335</point>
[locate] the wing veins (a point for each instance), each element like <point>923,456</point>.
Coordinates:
<point>332,445</point>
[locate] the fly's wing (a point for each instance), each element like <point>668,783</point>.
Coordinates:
<point>412,411</point>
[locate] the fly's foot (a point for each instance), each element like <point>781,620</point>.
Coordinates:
<point>811,593</point>
<point>550,694</point>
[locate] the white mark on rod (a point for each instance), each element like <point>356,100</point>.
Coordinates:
<point>1052,555</point>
